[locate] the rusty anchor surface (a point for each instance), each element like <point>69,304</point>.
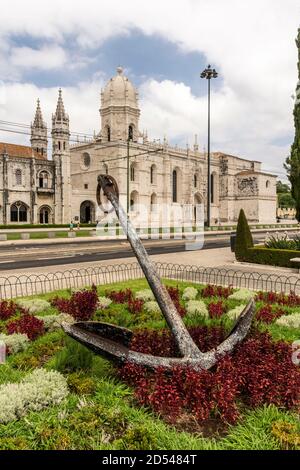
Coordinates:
<point>113,342</point>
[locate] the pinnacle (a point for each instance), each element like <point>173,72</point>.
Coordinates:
<point>60,114</point>
<point>38,119</point>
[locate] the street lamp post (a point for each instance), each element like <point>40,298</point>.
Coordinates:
<point>128,175</point>
<point>208,73</point>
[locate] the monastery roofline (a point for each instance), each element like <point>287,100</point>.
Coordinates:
<point>253,172</point>
<point>20,151</point>
<point>222,154</point>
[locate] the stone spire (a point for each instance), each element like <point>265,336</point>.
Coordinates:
<point>38,119</point>
<point>60,126</point>
<point>196,145</point>
<point>60,114</point>
<point>39,141</point>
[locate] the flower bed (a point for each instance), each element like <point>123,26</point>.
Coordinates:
<point>99,406</point>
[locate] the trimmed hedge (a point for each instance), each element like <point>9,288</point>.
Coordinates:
<point>271,256</point>
<point>245,251</point>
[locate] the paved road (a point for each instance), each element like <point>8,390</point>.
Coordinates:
<point>31,256</point>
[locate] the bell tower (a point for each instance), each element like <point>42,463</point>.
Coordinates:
<point>62,159</point>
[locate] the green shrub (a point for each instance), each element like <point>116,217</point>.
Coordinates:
<point>137,437</point>
<point>244,239</point>
<point>81,384</point>
<point>280,242</point>
<point>73,357</point>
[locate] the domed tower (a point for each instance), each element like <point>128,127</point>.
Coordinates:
<point>39,141</point>
<point>119,110</point>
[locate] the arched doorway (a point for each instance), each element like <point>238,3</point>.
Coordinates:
<point>87,212</point>
<point>134,200</point>
<point>153,203</point>
<point>198,209</point>
<point>45,215</point>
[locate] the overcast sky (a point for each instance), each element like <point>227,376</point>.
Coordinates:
<point>163,46</point>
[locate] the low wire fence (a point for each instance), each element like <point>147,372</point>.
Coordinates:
<point>27,285</point>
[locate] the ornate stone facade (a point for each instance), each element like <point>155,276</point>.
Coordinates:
<point>64,188</point>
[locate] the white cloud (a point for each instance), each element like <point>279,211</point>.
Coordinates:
<point>81,103</point>
<point>45,58</point>
<point>250,42</point>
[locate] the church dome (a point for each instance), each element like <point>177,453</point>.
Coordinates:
<point>119,91</point>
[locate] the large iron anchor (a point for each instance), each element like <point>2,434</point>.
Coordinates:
<point>113,342</point>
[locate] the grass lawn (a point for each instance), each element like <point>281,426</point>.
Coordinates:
<point>101,411</point>
<point>44,235</point>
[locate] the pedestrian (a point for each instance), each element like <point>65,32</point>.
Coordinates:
<point>78,225</point>
<point>71,226</point>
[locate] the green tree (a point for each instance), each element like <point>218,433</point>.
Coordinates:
<point>282,188</point>
<point>244,239</point>
<point>285,198</point>
<point>293,161</point>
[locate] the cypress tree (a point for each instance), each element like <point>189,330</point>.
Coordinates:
<point>244,238</point>
<point>293,161</point>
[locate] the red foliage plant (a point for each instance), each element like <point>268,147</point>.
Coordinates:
<point>216,291</point>
<point>216,309</point>
<point>121,296</point>
<point>268,314</point>
<point>82,305</point>
<point>135,306</point>
<point>291,300</point>
<point>259,372</point>
<point>7,309</point>
<point>28,325</point>
<point>175,297</point>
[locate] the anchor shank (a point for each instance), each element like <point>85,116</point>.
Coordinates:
<point>183,340</point>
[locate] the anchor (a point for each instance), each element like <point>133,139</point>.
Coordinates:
<point>113,342</point>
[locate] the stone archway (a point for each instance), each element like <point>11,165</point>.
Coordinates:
<point>87,212</point>
<point>198,201</point>
<point>45,215</point>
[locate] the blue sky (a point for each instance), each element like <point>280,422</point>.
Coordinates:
<point>163,46</point>
<point>143,56</point>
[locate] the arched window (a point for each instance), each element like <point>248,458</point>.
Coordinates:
<point>153,174</point>
<point>59,145</point>
<point>130,132</point>
<point>64,145</point>
<point>105,169</point>
<point>268,184</point>
<point>132,173</point>
<point>108,134</point>
<point>174,186</point>
<point>18,177</point>
<point>195,181</point>
<point>18,212</point>
<point>44,179</point>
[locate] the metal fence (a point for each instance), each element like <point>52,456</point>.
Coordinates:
<point>26,285</point>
